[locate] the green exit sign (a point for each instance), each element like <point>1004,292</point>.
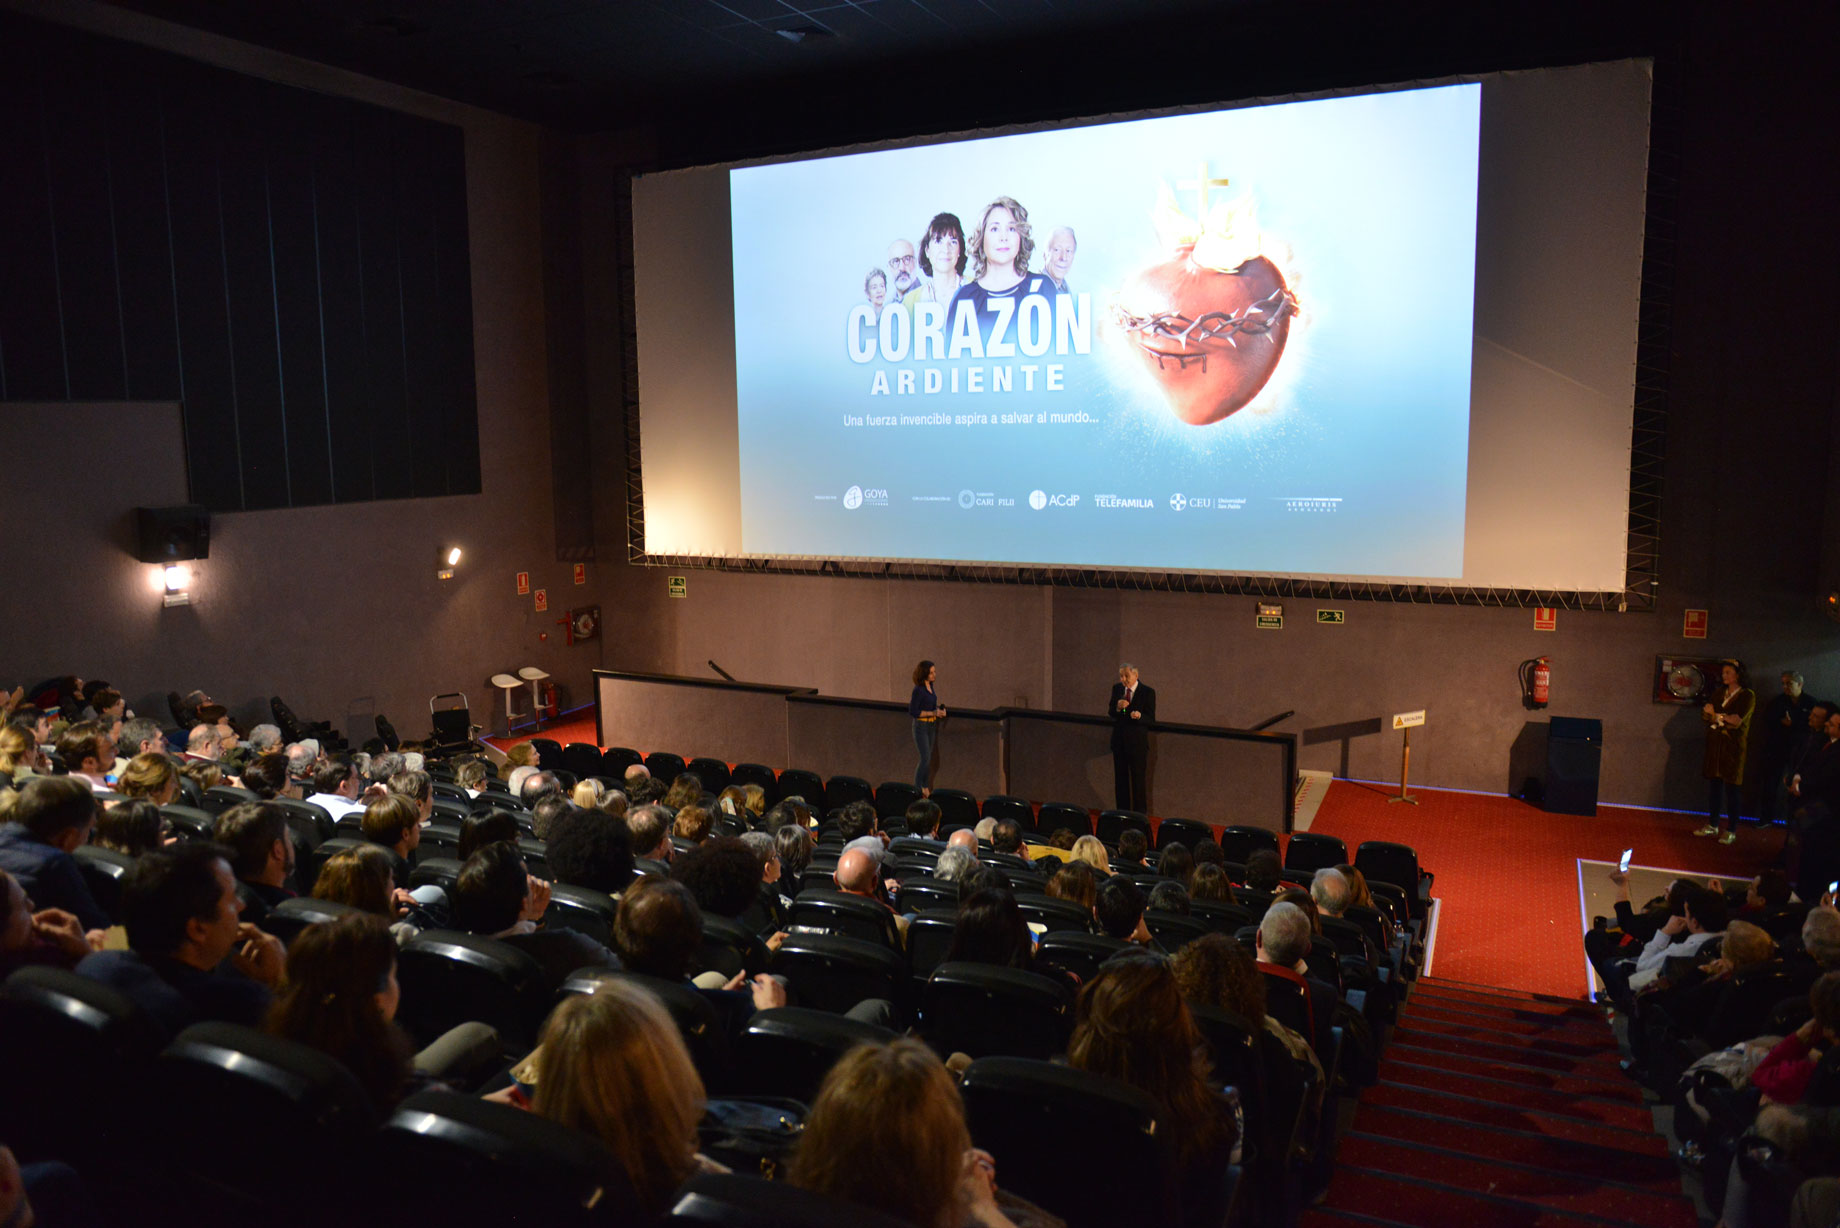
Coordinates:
<point>1331,616</point>
<point>1269,622</point>
<point>677,586</point>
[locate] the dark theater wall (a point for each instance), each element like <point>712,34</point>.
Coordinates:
<point>1751,429</point>
<point>336,608</point>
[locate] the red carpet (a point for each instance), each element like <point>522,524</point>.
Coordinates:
<point>1507,872</point>
<point>1555,1140</point>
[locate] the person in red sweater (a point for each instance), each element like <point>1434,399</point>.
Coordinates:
<point>1783,1077</point>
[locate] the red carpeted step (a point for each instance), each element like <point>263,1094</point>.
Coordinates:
<point>1591,1033</point>
<point>1572,1050</point>
<point>1506,1052</point>
<point>1528,1012</point>
<point>1498,991</point>
<point>1644,1163</point>
<point>1431,990</point>
<point>1421,1100</point>
<point>1577,1083</point>
<point>1420,1204</point>
<point>1546,1187</point>
<point>1588,1108</point>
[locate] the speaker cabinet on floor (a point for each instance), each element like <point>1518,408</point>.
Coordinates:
<point>1574,752</point>
<point>172,534</point>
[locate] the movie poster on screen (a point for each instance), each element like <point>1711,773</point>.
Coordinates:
<point>1237,341</point>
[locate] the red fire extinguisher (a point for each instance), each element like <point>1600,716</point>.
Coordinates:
<point>1536,682</point>
<point>546,709</point>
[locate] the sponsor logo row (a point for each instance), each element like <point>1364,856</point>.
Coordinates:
<point>1040,500</point>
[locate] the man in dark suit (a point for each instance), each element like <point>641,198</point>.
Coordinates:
<point>1133,711</point>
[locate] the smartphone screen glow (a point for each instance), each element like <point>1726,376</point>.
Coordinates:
<point>1622,867</point>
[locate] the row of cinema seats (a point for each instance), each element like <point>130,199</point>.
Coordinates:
<point>1005,1019</point>
<point>234,1126</point>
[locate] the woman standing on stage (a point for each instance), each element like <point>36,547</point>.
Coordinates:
<point>925,709</point>
<point>1728,727</point>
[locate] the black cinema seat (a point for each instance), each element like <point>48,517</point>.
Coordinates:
<point>787,1051</point>
<point>984,1010</point>
<point>1187,831</point>
<point>1309,852</point>
<point>449,978</point>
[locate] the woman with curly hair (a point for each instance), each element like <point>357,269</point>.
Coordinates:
<point>152,776</point>
<point>1133,1025</point>
<point>1000,253</point>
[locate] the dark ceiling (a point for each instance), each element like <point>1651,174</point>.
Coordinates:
<point>597,63</point>
<point>712,80</point>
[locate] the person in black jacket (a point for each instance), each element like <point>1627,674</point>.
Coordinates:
<point>1133,710</point>
<point>51,819</point>
<point>496,897</point>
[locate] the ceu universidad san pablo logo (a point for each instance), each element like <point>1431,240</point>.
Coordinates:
<point>1176,502</point>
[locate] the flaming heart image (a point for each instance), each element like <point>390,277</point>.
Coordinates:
<point>1210,322</point>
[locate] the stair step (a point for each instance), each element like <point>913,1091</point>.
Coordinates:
<point>1580,1032</point>
<point>1422,1204</point>
<point>1553,1188</point>
<point>1629,1158</point>
<point>1589,1082</point>
<point>1498,991</point>
<point>1456,1041</point>
<point>1632,1116</point>
<point>1531,1118</point>
<point>1573,1050</point>
<point>1519,1003</point>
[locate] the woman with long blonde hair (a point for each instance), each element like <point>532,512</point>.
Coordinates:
<point>1091,850</point>
<point>612,1064</point>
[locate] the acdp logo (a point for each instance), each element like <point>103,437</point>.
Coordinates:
<point>852,498</point>
<point>1038,499</point>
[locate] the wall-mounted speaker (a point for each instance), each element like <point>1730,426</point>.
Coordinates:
<point>172,534</point>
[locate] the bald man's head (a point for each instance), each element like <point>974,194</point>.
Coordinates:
<point>856,872</point>
<point>963,838</point>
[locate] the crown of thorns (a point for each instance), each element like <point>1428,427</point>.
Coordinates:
<point>1252,320</point>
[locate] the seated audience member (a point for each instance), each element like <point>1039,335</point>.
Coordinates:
<point>340,997</point>
<point>521,755</point>
<point>205,744</point>
<point>923,820</point>
<point>189,958</point>
<point>1007,838</point>
<point>497,898</point>
<point>964,838</point>
<point>1062,840</point>
<point>1820,940</point>
<point>537,786</point>
<point>30,935</point>
<point>1207,852</point>
<point>732,803</point>
<point>1702,919</point>
<point>1217,972</point>
<point>769,914</point>
<point>859,873</point>
<point>658,931</point>
<point>723,875</point>
<point>859,822</point>
<point>153,777</point>
<point>51,818</point>
<point>518,775</point>
<point>1176,864</point>
<point>1169,896</point>
<point>991,930</point>
<point>88,754</point>
<point>793,844</point>
<point>141,736</point>
<point>266,776</point>
<point>418,787</point>
<point>1283,941</point>
<point>265,738</point>
<point>1263,872</point>
<point>382,767</point>
<point>471,776</point>
<point>1785,1074</point>
<point>1074,882</point>
<point>1304,900</point>
<point>953,864</point>
<point>261,852</point>
<point>887,1132</point>
<point>981,877</point>
<point>756,799</point>
<point>303,759</point>
<point>393,822</point>
<point>1133,1025</point>
<point>1211,883</point>
<point>615,803</point>
<point>1119,908</point>
<point>203,774</point>
<point>20,758</point>
<point>479,830</point>
<point>130,828</point>
<point>361,877</point>
<point>587,848</point>
<point>1132,845</point>
<point>588,793</point>
<point>613,1065</point>
<point>336,786</point>
<point>546,813</point>
<point>1091,850</point>
<point>647,791</point>
<point>1605,945</point>
<point>686,790</point>
<point>692,824</point>
<point>1360,896</point>
<point>984,830</point>
<point>648,830</point>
